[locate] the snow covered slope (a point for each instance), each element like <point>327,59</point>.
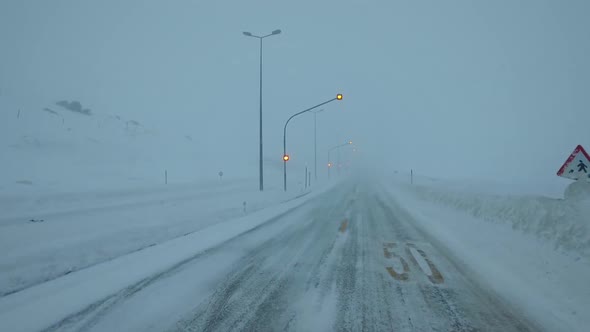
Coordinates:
<point>52,146</point>
<point>48,147</point>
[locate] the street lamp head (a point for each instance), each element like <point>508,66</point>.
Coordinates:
<point>349,142</point>
<point>329,164</point>
<point>247,34</point>
<point>339,96</point>
<point>276,32</point>
<point>286,158</point>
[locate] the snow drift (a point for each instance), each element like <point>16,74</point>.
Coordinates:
<point>563,222</point>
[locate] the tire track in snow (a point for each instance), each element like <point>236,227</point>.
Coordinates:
<point>87,318</point>
<point>285,272</point>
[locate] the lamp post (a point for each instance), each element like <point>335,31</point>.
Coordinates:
<point>285,155</point>
<point>315,144</point>
<point>333,148</point>
<point>248,34</point>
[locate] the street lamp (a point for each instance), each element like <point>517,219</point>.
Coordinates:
<point>315,139</point>
<point>338,162</point>
<point>315,144</point>
<point>248,34</point>
<point>338,97</point>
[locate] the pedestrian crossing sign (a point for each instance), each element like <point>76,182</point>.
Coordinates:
<point>577,166</point>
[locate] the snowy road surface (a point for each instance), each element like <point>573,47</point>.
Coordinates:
<point>84,229</point>
<point>345,260</point>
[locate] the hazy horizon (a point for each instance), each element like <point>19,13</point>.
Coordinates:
<point>495,90</point>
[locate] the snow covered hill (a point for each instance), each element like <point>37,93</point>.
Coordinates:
<point>66,146</point>
<point>46,146</point>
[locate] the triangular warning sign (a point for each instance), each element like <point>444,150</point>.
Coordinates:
<point>577,166</point>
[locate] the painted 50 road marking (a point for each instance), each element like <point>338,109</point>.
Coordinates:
<point>411,251</point>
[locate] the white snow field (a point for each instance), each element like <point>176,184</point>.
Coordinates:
<point>46,148</point>
<point>92,239</point>
<point>78,189</point>
<point>56,298</point>
<point>530,249</point>
<point>332,259</point>
<point>93,228</point>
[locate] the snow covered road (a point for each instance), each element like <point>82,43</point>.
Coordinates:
<point>351,264</point>
<point>347,259</point>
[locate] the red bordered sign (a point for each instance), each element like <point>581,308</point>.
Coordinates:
<point>577,166</point>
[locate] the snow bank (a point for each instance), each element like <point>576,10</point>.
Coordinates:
<point>532,251</point>
<point>565,223</point>
<point>578,191</point>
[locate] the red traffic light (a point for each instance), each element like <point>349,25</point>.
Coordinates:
<point>286,157</point>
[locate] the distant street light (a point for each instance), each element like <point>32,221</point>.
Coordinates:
<point>338,162</point>
<point>248,34</point>
<point>315,144</point>
<point>338,97</point>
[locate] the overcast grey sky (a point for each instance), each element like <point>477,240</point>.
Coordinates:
<point>494,89</point>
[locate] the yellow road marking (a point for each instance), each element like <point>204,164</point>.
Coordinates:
<point>399,276</point>
<point>389,254</point>
<point>436,277</point>
<point>343,226</point>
